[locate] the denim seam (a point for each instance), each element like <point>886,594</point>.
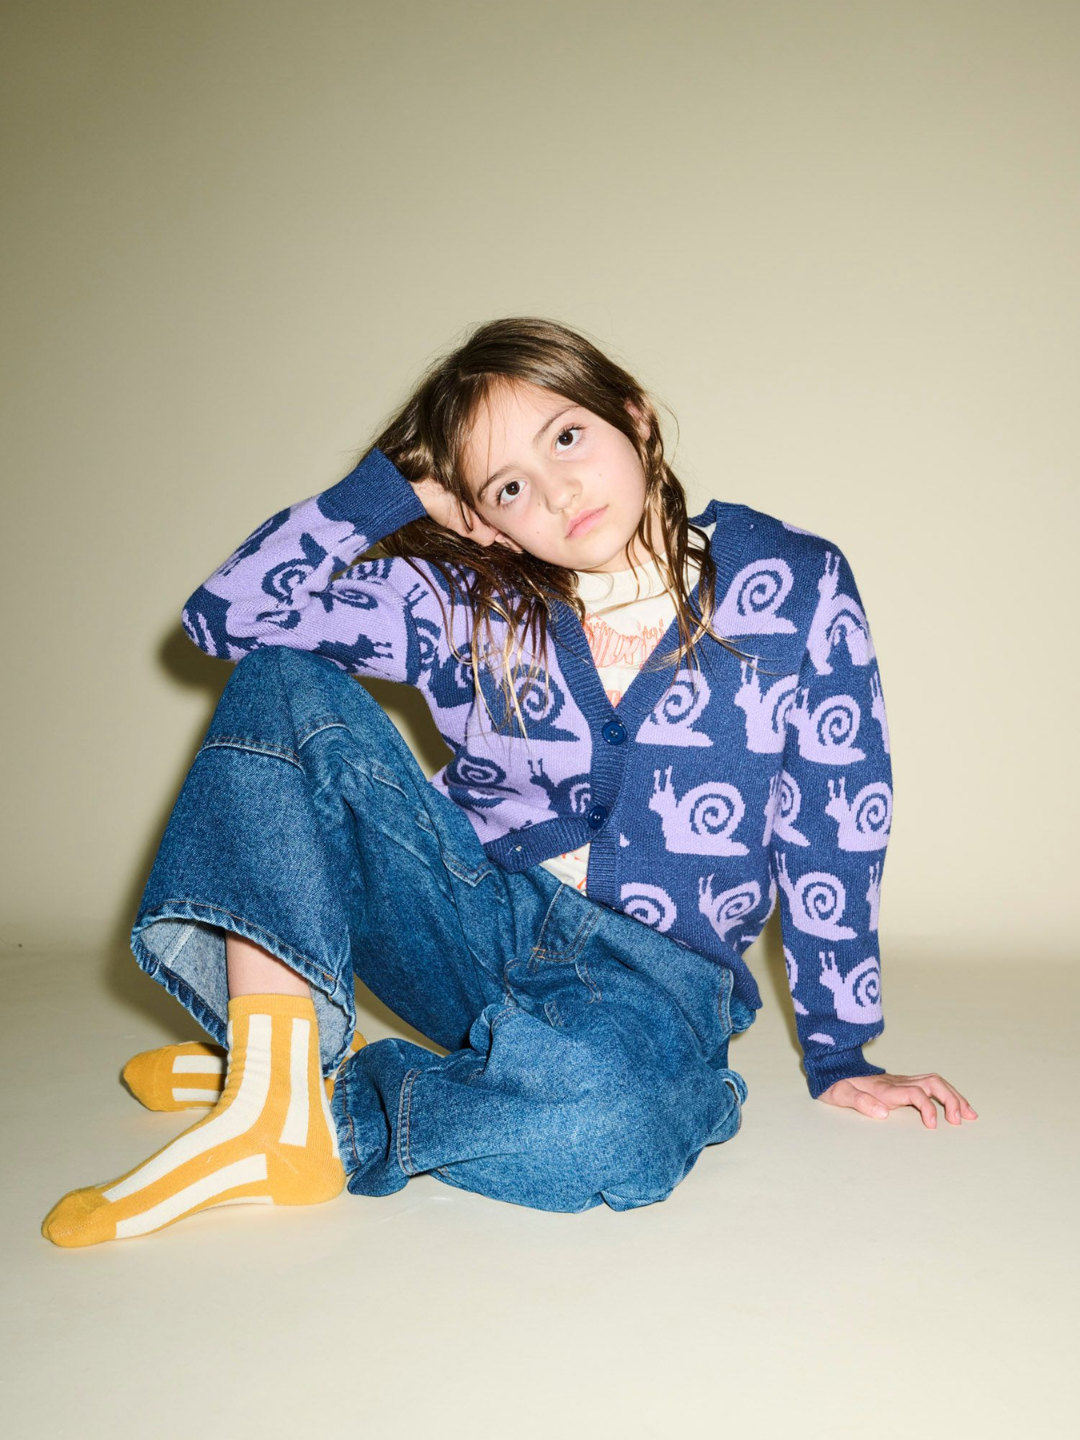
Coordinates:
<point>252,746</point>
<point>404,1123</point>
<point>344,1084</point>
<point>315,726</point>
<point>588,923</point>
<point>372,770</point>
<point>471,874</point>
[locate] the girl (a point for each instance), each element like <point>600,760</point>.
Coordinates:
<point>655,733</point>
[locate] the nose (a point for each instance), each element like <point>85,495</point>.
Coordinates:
<point>561,492</point>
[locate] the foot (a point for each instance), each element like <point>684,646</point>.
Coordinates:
<point>188,1076</point>
<point>269,1140</point>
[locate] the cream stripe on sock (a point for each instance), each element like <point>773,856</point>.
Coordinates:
<point>192,1096</point>
<point>294,1131</point>
<point>241,1115</point>
<point>198,1065</point>
<point>241,1172</point>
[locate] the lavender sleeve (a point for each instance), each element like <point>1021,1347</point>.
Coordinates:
<point>380,617</point>
<point>831,830</point>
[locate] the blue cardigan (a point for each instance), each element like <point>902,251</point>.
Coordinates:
<point>706,794</point>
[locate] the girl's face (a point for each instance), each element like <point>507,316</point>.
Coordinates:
<point>552,478</point>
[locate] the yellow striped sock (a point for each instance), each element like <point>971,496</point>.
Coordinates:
<point>188,1076</point>
<point>269,1140</point>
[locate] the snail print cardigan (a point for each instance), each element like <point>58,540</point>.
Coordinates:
<point>709,793</point>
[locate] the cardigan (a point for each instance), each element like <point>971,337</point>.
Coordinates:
<point>627,613</point>
<point>709,793</point>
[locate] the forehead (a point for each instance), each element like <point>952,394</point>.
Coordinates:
<point>504,425</point>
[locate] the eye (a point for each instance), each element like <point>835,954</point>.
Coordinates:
<point>505,489</point>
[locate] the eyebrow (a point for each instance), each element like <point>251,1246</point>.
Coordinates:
<point>536,440</point>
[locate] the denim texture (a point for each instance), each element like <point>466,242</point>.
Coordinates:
<point>589,1052</point>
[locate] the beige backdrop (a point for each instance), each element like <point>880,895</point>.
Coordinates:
<point>838,240</point>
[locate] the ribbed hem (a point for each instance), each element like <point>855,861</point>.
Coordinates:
<point>284,1005</point>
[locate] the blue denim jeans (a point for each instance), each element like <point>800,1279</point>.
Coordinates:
<point>588,1051</point>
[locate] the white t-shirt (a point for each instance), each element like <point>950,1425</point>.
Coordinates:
<point>627,614</point>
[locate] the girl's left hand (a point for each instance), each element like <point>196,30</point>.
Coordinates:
<point>876,1095</point>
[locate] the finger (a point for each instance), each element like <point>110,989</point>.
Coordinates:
<point>846,1094</point>
<point>949,1097</point>
<point>918,1097</point>
<point>869,1104</point>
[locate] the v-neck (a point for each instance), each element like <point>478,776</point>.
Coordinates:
<point>726,545</point>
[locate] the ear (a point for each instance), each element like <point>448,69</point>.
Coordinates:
<point>641,425</point>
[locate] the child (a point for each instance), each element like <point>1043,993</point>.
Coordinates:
<point>656,733</point>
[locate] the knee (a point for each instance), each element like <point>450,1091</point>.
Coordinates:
<point>628,1135</point>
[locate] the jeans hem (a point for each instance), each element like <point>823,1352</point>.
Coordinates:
<point>210,914</point>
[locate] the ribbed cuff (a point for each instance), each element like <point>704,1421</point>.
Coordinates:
<point>375,496</point>
<point>843,1065</point>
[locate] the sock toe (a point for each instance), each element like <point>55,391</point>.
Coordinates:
<point>78,1219</point>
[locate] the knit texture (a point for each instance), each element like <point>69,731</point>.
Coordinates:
<point>707,794</point>
<point>627,614</point>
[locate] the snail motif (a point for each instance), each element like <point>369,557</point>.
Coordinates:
<point>815,902</point>
<point>877,708</point>
<point>753,598</point>
<point>703,821</point>
<point>863,823</point>
<point>649,903</point>
<point>671,720</point>
<point>782,810</point>
<point>838,620</point>
<point>571,796</point>
<point>766,714</point>
<point>856,995</point>
<point>826,734</point>
<point>727,910</point>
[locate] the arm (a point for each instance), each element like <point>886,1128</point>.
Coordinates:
<point>381,617</point>
<point>828,852</point>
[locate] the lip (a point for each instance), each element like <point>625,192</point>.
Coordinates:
<point>584,521</point>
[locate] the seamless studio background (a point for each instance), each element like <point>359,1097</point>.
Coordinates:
<point>838,241</point>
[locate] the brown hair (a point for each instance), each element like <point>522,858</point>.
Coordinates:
<point>427,437</point>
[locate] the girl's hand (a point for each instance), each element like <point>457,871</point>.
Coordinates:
<point>452,514</point>
<point>876,1095</point>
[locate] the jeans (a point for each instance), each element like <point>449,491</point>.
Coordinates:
<point>588,1051</point>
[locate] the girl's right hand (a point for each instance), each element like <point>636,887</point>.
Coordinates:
<point>452,514</point>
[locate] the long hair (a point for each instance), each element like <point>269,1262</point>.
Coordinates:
<point>427,438</point>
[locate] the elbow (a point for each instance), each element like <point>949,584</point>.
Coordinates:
<point>203,619</point>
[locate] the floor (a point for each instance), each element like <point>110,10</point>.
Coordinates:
<point>821,1274</point>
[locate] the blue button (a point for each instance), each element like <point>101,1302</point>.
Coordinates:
<point>614,732</point>
<point>596,816</point>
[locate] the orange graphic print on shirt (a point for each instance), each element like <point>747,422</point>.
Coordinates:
<point>611,647</point>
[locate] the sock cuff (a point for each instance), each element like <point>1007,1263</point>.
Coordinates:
<point>286,1006</point>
